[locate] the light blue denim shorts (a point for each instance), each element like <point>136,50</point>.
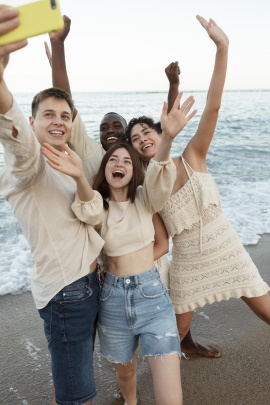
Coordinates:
<point>136,308</point>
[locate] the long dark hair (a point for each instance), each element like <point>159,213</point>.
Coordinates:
<point>100,182</point>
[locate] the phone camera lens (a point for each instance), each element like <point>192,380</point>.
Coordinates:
<point>53,4</point>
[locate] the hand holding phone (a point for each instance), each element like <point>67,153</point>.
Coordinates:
<point>35,18</point>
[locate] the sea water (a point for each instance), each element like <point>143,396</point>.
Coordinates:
<point>238,158</point>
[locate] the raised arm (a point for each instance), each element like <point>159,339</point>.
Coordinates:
<point>87,148</point>
<point>21,148</point>
<point>57,58</point>
<point>196,150</point>
<point>173,72</point>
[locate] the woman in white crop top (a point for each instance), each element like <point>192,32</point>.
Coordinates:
<point>209,262</point>
<point>134,303</point>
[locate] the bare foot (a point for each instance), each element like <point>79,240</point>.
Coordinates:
<point>188,346</point>
<point>197,348</point>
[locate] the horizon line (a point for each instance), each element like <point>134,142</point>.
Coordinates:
<point>154,91</point>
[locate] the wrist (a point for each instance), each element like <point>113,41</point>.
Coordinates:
<point>57,43</point>
<point>166,139</point>
<point>80,178</point>
<point>222,47</point>
<point>174,85</point>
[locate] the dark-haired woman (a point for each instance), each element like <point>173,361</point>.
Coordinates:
<point>134,303</point>
<point>209,263</point>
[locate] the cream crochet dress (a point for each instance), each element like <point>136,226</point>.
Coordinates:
<point>209,263</point>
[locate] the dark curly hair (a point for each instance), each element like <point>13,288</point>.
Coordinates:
<point>100,182</point>
<point>142,120</point>
<point>51,92</point>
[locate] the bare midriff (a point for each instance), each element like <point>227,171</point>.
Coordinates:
<point>132,263</point>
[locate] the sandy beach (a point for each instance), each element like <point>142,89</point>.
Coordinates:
<point>240,377</point>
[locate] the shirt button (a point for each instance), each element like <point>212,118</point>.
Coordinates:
<point>127,280</point>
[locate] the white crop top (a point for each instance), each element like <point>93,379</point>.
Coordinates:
<point>127,227</point>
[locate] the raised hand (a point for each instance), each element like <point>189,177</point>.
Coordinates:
<point>67,162</point>
<point>174,121</point>
<point>63,33</point>
<point>198,146</point>
<point>172,72</point>
<point>8,21</point>
<point>58,36</point>
<point>214,31</point>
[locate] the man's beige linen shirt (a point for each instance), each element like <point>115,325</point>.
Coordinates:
<point>62,247</point>
<point>89,150</point>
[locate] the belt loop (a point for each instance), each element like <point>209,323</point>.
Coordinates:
<point>136,281</point>
<point>115,281</point>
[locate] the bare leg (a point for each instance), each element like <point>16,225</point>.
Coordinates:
<point>187,343</point>
<point>127,380</point>
<point>166,379</point>
<point>260,306</point>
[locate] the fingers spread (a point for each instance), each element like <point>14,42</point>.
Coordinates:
<point>54,158</point>
<point>50,148</point>
<point>65,147</point>
<point>188,103</point>
<point>165,108</point>
<point>191,115</point>
<point>203,22</point>
<point>212,21</point>
<point>177,101</point>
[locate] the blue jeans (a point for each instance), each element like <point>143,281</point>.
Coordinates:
<point>136,308</point>
<point>70,327</point>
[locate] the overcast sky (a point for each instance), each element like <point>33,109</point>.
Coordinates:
<point>125,45</point>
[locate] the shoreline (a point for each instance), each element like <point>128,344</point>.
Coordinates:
<point>239,377</point>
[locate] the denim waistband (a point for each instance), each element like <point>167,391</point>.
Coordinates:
<point>135,280</point>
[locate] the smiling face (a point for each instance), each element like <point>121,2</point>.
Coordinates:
<point>112,130</point>
<point>145,140</point>
<point>119,169</point>
<point>53,122</point>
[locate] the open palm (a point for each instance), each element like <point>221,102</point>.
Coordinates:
<point>67,162</point>
<point>177,118</point>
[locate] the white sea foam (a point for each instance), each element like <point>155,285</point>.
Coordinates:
<point>15,257</point>
<point>32,350</point>
<point>247,205</point>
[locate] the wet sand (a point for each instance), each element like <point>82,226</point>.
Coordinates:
<point>240,377</point>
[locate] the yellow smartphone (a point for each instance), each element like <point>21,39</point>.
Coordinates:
<point>35,19</point>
